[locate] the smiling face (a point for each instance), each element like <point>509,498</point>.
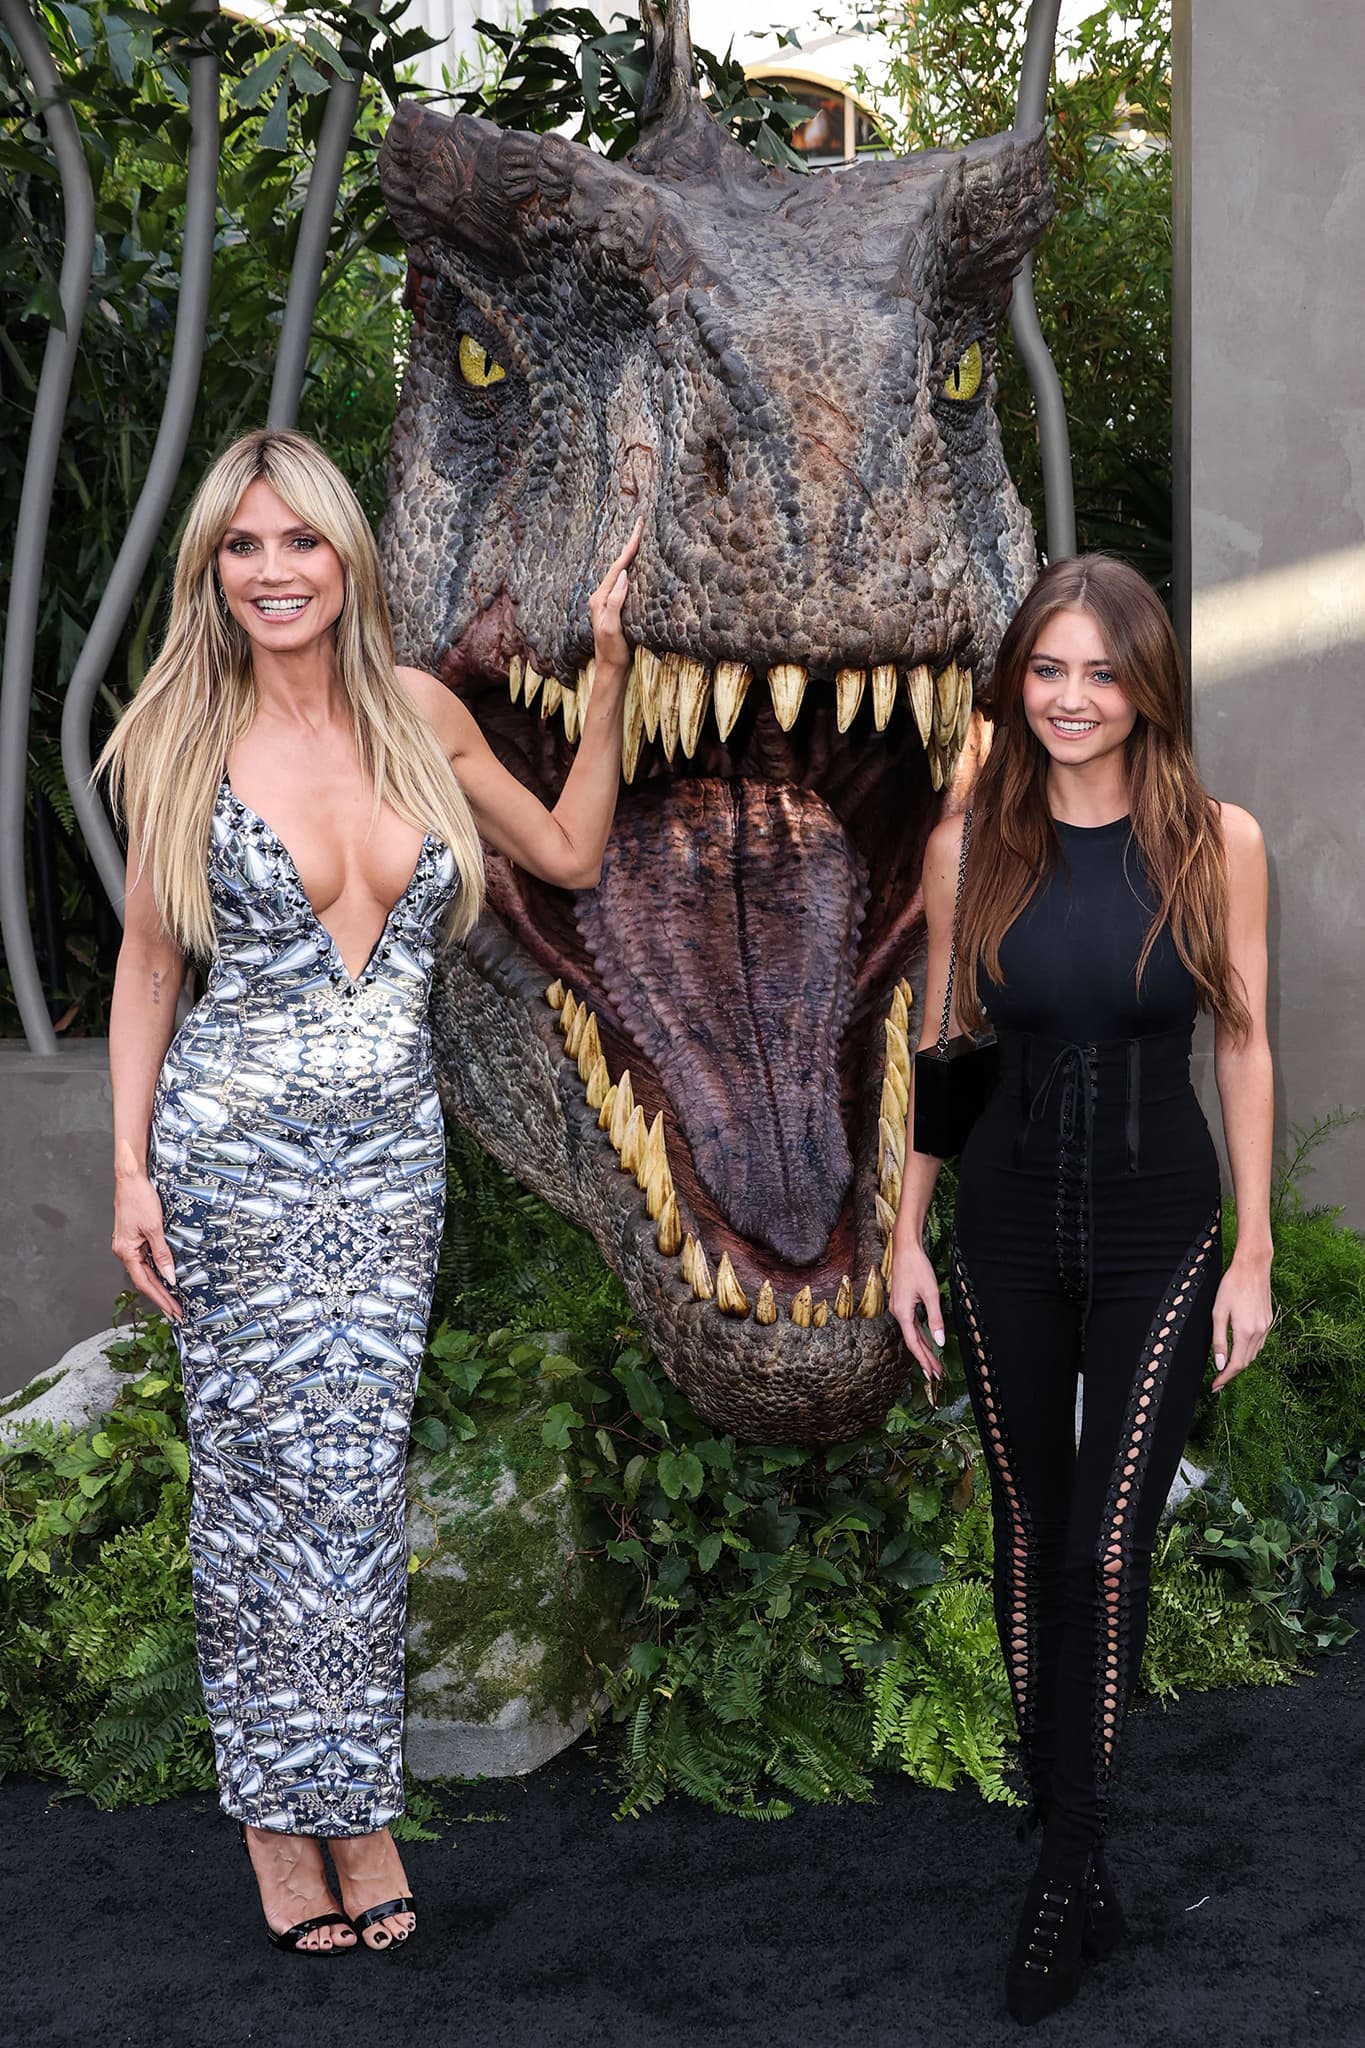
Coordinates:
<point>283,582</point>
<point>1071,700</point>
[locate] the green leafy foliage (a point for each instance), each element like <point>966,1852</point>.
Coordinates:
<point>1305,1394</point>
<point>563,66</point>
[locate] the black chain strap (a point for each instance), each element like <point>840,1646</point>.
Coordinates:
<point>952,951</point>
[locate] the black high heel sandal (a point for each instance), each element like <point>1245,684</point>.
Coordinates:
<point>292,1937</point>
<point>1044,1969</point>
<point>360,1921</point>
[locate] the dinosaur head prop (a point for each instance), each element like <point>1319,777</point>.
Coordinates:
<point>790,378</point>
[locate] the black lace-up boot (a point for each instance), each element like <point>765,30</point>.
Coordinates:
<point>1044,1969</point>
<point>1105,1926</point>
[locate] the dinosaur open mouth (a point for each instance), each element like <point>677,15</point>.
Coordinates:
<point>734,992</point>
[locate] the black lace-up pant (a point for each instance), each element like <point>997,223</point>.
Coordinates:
<point>1087,1240</point>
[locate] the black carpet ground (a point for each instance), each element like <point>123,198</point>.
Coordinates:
<point>1239,1843</point>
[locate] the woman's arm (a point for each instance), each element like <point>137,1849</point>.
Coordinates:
<point>141,1026</point>
<point>1246,1093</point>
<point>914,1283</point>
<point>563,845</point>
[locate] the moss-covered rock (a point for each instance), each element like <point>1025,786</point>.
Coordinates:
<point>508,1624</point>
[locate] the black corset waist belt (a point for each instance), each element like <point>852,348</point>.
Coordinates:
<point>1071,1088</point>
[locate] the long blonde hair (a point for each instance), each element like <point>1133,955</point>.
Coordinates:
<point>1176,824</point>
<point>165,758</point>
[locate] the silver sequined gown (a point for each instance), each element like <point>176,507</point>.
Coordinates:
<point>297,1149</point>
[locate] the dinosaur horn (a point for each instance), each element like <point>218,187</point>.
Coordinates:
<point>679,139</point>
<point>491,194</point>
<point>672,81</point>
<point>1003,204</point>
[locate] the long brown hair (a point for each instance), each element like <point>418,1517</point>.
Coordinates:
<point>1175,821</point>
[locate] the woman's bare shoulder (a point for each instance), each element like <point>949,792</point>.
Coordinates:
<point>943,848</point>
<point>1241,834</point>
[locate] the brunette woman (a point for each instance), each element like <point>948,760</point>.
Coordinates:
<point>305,816</point>
<point>1107,897</point>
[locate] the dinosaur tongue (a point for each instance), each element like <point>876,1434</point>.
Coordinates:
<point>725,933</point>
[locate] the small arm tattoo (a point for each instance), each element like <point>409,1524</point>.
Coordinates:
<point>157,978</point>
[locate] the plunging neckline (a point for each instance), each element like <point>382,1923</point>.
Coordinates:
<point>352,980</point>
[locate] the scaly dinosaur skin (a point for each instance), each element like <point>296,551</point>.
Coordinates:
<point>773,370</point>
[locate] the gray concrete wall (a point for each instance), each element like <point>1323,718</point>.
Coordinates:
<point>1270,385</point>
<point>58,1277</point>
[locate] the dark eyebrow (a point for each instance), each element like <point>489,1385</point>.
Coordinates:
<point>1057,662</point>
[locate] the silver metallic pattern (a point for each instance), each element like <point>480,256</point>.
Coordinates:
<point>298,1151</point>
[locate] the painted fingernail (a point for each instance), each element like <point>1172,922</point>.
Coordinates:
<point>1219,1360</point>
<point>938,1336</point>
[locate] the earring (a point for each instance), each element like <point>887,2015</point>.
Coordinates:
<point>222,598</point>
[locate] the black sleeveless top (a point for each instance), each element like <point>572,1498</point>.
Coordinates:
<point>1069,960</point>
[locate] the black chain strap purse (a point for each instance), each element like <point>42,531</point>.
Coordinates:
<point>954,1077</point>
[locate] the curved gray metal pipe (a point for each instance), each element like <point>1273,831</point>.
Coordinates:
<point>1053,434</point>
<point>182,390</point>
<point>35,507</point>
<point>310,251</point>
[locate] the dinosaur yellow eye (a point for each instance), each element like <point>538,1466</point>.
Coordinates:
<point>477,367</point>
<point>963,381</point>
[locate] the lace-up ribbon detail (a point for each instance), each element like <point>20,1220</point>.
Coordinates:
<point>1114,1562</point>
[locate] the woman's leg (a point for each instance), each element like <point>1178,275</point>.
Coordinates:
<point>1021,1351</point>
<point>1144,1363</point>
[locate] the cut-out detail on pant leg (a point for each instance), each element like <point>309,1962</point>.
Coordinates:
<point>1016,1570</point>
<point>1113,1564</point>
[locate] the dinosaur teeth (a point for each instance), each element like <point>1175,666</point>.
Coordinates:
<point>647,668</point>
<point>589,1049</point>
<point>608,1104</point>
<point>919,686</point>
<point>598,1084</point>
<point>801,1309</point>
<point>787,686</point>
<point>670,706</point>
<point>694,694</point>
<point>732,682</point>
<point>633,719</point>
<point>843,1300</point>
<point>553,697</point>
<point>731,1299</point>
<point>514,668</point>
<point>633,1142</point>
<point>532,678</point>
<point>653,1152</point>
<point>668,1229</point>
<point>872,1300</point>
<point>554,995</point>
<point>765,1309</point>
<point>587,676</point>
<point>886,1216</point>
<point>622,1110</point>
<point>883,695</point>
<point>945,704</point>
<point>848,695</point>
<point>820,1314</point>
<point>573,711</point>
<point>703,1286</point>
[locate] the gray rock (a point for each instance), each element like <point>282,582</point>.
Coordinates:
<point>508,1625</point>
<point>82,1385</point>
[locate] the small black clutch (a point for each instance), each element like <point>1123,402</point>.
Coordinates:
<point>952,1083</point>
<point>953,1078</point>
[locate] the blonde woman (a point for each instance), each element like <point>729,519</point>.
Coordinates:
<point>306,816</point>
